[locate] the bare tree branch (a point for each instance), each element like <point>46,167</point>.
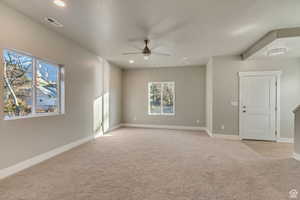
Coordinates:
<point>9,85</point>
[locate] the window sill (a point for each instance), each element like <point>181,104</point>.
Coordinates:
<point>161,114</point>
<point>32,116</point>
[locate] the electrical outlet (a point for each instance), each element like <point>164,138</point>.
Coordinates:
<point>134,118</point>
<point>198,121</point>
<point>222,127</point>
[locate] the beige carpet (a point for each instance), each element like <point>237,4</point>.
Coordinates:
<point>145,164</point>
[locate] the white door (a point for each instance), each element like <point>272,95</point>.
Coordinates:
<point>258,107</point>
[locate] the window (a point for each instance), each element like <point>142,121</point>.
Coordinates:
<point>161,98</point>
<point>32,87</point>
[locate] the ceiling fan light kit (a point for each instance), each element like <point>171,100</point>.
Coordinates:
<point>60,3</point>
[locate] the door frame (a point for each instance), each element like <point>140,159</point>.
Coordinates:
<point>277,75</point>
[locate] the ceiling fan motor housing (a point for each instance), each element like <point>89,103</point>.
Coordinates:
<point>146,50</point>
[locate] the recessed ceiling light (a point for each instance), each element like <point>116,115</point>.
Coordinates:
<point>185,58</point>
<point>131,61</point>
<point>60,3</point>
<point>53,22</point>
<point>277,51</point>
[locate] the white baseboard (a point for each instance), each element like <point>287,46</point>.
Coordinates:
<point>209,133</point>
<point>286,140</point>
<point>40,158</point>
<point>171,127</point>
<point>296,156</point>
<point>98,134</point>
<point>228,137</point>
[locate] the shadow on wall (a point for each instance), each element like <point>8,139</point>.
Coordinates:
<point>101,115</point>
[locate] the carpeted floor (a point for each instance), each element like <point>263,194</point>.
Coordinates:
<point>146,164</point>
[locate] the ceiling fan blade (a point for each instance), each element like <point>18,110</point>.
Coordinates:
<point>136,47</point>
<point>136,39</point>
<point>132,53</point>
<point>161,54</point>
<point>155,47</point>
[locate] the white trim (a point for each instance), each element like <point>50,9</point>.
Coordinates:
<point>277,74</point>
<point>35,62</point>
<point>32,116</point>
<point>278,105</point>
<point>228,137</point>
<point>62,90</point>
<point>40,158</point>
<point>171,127</point>
<point>34,87</point>
<point>208,132</point>
<point>260,73</point>
<point>285,140</point>
<point>161,107</point>
<point>98,134</point>
<point>296,156</point>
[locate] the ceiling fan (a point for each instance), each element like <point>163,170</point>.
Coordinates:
<point>147,52</point>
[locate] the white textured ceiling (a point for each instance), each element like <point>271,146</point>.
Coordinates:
<point>196,29</point>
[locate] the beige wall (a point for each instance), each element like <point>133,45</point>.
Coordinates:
<point>115,96</point>
<point>190,95</point>
<point>25,138</point>
<point>297,131</point>
<point>111,101</point>
<point>226,89</point>
<point>209,96</point>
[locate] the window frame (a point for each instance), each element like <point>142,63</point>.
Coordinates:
<point>161,107</point>
<point>60,87</point>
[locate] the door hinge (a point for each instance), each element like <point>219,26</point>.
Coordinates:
<point>276,133</point>
<point>276,83</point>
<point>276,108</point>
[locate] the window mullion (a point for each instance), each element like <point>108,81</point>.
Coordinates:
<point>34,72</point>
<point>161,100</point>
<point>58,100</point>
<point>149,98</point>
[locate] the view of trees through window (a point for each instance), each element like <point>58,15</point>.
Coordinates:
<point>18,79</point>
<point>30,85</point>
<point>161,98</point>
<point>47,87</point>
